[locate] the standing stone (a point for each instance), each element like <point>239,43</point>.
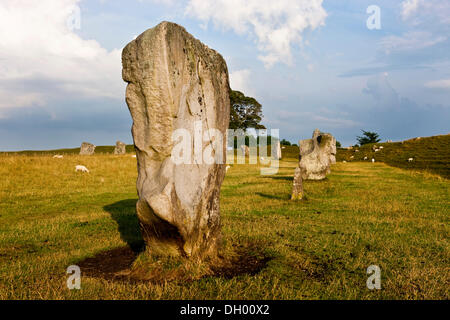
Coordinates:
<point>297,190</point>
<point>121,148</point>
<point>278,151</point>
<point>245,150</point>
<point>175,84</point>
<point>87,149</point>
<point>316,155</point>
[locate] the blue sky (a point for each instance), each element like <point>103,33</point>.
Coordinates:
<point>311,64</point>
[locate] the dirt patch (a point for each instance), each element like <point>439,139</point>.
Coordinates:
<point>117,265</point>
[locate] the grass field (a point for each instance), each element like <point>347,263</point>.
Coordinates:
<point>363,214</point>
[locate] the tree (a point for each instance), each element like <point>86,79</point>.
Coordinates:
<point>284,142</point>
<point>368,137</point>
<point>245,112</point>
<point>338,144</point>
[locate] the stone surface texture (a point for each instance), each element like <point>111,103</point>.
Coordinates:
<point>87,149</point>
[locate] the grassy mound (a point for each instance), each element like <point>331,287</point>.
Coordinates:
<point>431,154</point>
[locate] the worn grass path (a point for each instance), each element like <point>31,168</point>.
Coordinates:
<point>363,214</point>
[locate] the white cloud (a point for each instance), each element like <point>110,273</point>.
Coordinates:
<point>409,7</point>
<point>410,41</point>
<point>277,25</point>
<point>426,12</point>
<point>37,46</point>
<point>239,81</point>
<point>438,84</point>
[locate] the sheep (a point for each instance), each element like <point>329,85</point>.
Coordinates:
<point>381,147</point>
<point>373,160</point>
<point>226,169</point>
<point>81,168</point>
<point>261,158</point>
<point>133,156</point>
<point>365,158</point>
<point>410,159</point>
<point>376,150</point>
<point>344,161</point>
<point>351,157</point>
<point>58,156</point>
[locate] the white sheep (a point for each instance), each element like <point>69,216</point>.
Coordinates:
<point>376,150</point>
<point>381,147</point>
<point>81,168</point>
<point>226,169</point>
<point>344,161</point>
<point>58,156</point>
<point>373,160</point>
<point>133,156</point>
<point>351,157</point>
<point>261,158</point>
<point>410,159</point>
<point>365,158</point>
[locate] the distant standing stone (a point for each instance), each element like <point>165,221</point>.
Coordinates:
<point>297,190</point>
<point>316,155</point>
<point>245,150</point>
<point>87,149</point>
<point>120,148</point>
<point>278,151</point>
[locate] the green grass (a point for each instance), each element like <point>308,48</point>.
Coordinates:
<point>362,214</point>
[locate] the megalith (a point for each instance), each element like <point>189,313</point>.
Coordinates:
<point>177,87</point>
<point>120,148</point>
<point>87,149</point>
<point>316,155</point>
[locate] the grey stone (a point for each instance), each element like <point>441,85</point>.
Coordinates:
<point>87,149</point>
<point>175,81</point>
<point>316,155</point>
<point>120,148</point>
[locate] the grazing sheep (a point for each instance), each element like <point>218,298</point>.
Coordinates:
<point>351,157</point>
<point>381,147</point>
<point>365,158</point>
<point>226,169</point>
<point>376,150</point>
<point>356,150</point>
<point>373,160</point>
<point>344,161</point>
<point>133,156</point>
<point>261,158</point>
<point>410,159</point>
<point>81,168</point>
<point>58,156</point>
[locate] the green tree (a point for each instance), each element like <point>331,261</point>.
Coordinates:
<point>338,144</point>
<point>245,112</point>
<point>368,137</point>
<point>284,142</point>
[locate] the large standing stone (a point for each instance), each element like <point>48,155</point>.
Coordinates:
<point>316,155</point>
<point>176,82</point>
<point>121,148</point>
<point>87,149</point>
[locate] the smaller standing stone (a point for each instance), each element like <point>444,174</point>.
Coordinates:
<point>278,154</point>
<point>297,191</point>
<point>87,149</point>
<point>120,148</point>
<point>245,150</point>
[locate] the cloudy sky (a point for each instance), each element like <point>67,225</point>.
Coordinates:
<point>311,63</point>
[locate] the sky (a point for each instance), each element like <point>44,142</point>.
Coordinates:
<point>337,65</point>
